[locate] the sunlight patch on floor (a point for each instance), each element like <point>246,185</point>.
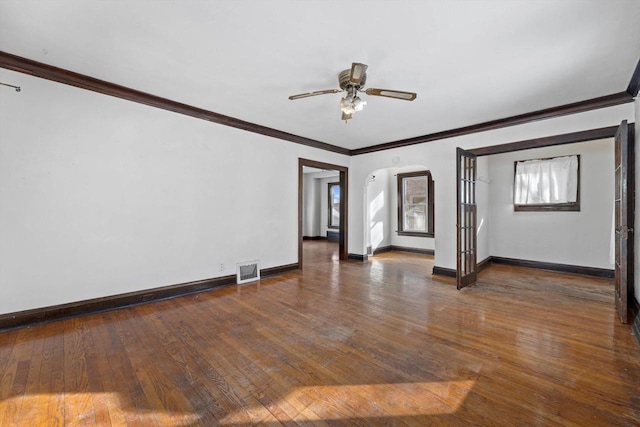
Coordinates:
<point>85,409</point>
<point>315,403</point>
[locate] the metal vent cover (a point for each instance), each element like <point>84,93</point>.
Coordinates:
<point>247,271</point>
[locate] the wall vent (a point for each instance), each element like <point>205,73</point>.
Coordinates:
<point>247,271</point>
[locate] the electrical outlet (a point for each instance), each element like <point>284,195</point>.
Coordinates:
<point>221,267</point>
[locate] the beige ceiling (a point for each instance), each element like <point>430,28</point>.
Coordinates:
<point>470,61</point>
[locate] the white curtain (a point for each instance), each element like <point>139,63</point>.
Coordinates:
<point>546,181</point>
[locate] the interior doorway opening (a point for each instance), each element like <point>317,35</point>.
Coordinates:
<point>322,207</point>
<point>399,210</point>
<point>573,253</point>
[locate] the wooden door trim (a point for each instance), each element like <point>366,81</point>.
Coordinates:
<point>548,141</point>
<point>344,209</point>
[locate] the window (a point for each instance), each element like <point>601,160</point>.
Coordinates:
<point>334,205</point>
<point>415,204</point>
<point>547,184</point>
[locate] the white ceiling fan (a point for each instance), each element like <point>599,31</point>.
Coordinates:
<point>352,81</point>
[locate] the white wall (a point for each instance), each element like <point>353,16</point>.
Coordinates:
<point>440,158</point>
<point>378,209</point>
<point>576,238</point>
<point>310,206</point>
<point>101,196</point>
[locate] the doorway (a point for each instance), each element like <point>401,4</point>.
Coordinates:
<point>399,210</point>
<point>578,137</point>
<point>337,210</point>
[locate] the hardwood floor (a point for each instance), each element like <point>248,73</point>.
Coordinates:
<point>381,343</point>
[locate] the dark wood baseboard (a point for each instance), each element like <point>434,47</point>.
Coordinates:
<point>383,249</point>
<point>314,238</point>
<point>442,271</point>
<point>562,268</point>
<point>25,318</point>
<point>483,264</point>
<point>358,257</point>
<point>412,250</point>
<point>450,272</point>
<point>272,271</point>
<point>333,236</point>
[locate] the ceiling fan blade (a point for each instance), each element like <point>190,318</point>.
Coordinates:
<point>308,94</point>
<point>397,94</point>
<point>357,73</point>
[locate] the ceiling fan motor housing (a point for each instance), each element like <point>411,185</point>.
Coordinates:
<point>345,76</point>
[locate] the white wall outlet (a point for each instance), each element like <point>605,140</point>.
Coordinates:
<point>221,267</point>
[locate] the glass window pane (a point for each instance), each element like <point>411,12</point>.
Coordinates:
<point>334,205</point>
<point>414,203</point>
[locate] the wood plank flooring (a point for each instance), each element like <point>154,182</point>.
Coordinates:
<point>381,343</point>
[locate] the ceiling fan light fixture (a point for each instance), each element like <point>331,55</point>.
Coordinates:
<point>351,104</point>
<point>358,104</point>
<point>351,81</point>
<point>346,105</point>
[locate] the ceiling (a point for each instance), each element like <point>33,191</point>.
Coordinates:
<point>470,61</point>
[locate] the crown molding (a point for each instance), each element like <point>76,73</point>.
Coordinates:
<point>576,107</point>
<point>634,84</point>
<point>60,75</point>
<point>49,72</point>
